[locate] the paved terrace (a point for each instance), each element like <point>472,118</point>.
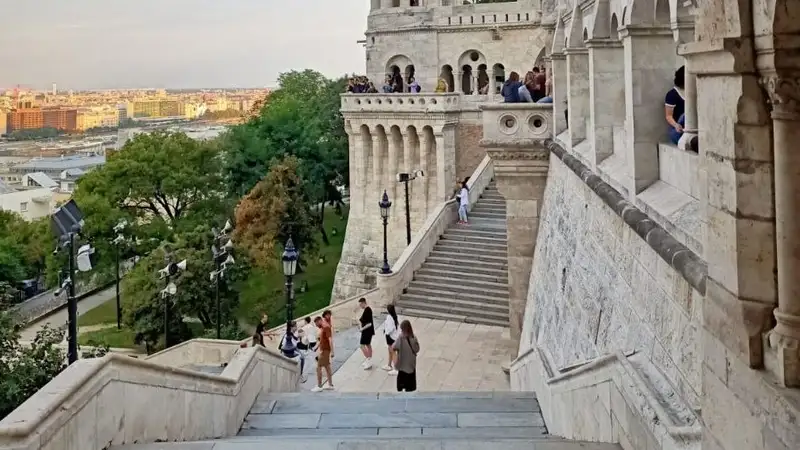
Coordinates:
<point>454,356</point>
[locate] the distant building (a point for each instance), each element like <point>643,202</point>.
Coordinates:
<point>38,179</point>
<point>53,167</point>
<point>158,108</point>
<point>31,204</point>
<point>34,118</point>
<point>3,122</point>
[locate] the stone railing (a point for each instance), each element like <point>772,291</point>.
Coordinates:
<point>199,352</point>
<point>116,400</point>
<point>516,123</point>
<point>392,285</point>
<point>398,103</point>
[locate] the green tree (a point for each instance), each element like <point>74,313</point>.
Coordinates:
<point>25,248</point>
<point>301,119</point>
<point>25,370</point>
<point>161,183</point>
<point>272,212</point>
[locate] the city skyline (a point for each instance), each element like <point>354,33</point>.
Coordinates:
<point>201,44</point>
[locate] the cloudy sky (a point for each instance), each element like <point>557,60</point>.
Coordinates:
<point>101,44</point>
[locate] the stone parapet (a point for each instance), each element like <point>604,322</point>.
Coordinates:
<point>399,103</point>
<point>117,400</point>
<point>516,124</point>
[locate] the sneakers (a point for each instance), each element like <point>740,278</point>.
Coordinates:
<point>316,389</point>
<point>367,364</point>
<point>387,368</point>
<point>392,372</point>
<point>329,387</point>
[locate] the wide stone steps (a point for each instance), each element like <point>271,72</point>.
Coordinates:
<point>465,277</point>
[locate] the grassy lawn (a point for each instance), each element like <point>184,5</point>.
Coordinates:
<point>122,338</point>
<point>262,292</point>
<point>265,292</point>
<point>105,313</point>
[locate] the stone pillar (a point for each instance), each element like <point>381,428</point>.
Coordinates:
<point>690,109</point>
<point>521,175</point>
<point>358,163</point>
<point>784,339</point>
<point>424,149</point>
<point>649,71</point>
<point>741,288</point>
<point>606,95</point>
<point>445,166</point>
<point>577,93</point>
<point>392,166</point>
<point>377,185</point>
<point>559,85</point>
<point>457,82</point>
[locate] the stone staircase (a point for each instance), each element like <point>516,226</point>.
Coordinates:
<point>465,278</point>
<point>417,421</point>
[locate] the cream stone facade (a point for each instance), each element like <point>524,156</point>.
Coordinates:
<point>473,48</point>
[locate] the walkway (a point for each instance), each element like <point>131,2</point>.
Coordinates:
<point>59,318</point>
<point>454,356</point>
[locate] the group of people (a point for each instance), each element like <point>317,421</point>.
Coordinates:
<point>391,84</point>
<point>317,338</point>
<point>535,88</point>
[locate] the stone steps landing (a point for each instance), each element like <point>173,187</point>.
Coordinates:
<point>416,421</point>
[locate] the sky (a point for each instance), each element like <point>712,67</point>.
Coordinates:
<point>107,44</point>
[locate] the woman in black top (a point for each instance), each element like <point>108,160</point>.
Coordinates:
<point>367,331</point>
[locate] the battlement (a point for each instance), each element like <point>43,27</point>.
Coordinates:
<point>451,15</point>
<point>398,103</point>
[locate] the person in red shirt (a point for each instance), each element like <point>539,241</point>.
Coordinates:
<point>325,342</point>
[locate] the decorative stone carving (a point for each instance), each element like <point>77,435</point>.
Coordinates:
<point>784,95</point>
<point>532,155</point>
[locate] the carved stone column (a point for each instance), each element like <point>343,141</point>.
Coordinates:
<point>377,185</point>
<point>391,176</point>
<point>559,84</point>
<point>606,95</point>
<point>784,339</point>
<point>445,163</point>
<point>690,109</point>
<point>577,93</point>
<point>424,149</point>
<point>521,174</point>
<point>457,82</point>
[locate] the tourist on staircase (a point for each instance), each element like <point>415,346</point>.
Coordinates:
<point>407,348</point>
<point>391,329</point>
<point>324,357</point>
<point>289,347</point>
<point>463,204</point>
<point>327,317</point>
<point>367,328</point>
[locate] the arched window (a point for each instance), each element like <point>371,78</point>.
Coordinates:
<point>483,79</point>
<point>499,74</point>
<point>397,79</point>
<point>466,79</point>
<point>447,75</point>
<point>409,74</point>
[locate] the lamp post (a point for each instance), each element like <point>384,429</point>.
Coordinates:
<point>118,241</point>
<point>170,289</point>
<point>223,257</point>
<point>72,302</point>
<point>289,260</point>
<point>405,178</point>
<point>385,204</point>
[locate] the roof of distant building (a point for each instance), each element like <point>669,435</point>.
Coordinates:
<point>63,163</point>
<point>42,180</point>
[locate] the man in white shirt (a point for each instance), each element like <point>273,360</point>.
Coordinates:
<point>308,336</point>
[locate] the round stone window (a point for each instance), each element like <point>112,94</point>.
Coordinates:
<point>474,56</point>
<point>508,124</point>
<point>537,124</point>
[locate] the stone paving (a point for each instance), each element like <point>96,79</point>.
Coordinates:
<point>454,356</point>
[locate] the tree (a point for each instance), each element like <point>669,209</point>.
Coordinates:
<point>25,370</point>
<point>301,119</point>
<point>25,248</point>
<point>272,212</point>
<point>162,183</point>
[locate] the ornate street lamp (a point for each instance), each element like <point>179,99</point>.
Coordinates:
<point>405,178</point>
<point>385,204</point>
<point>289,260</point>
<point>118,241</point>
<point>223,257</point>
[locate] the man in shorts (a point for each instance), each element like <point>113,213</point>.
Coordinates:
<point>324,359</point>
<point>367,328</point>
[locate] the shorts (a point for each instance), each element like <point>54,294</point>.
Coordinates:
<point>389,341</point>
<point>366,339</point>
<point>324,358</point>
<point>406,381</point>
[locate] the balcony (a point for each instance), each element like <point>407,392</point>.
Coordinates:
<point>395,103</point>
<point>516,124</point>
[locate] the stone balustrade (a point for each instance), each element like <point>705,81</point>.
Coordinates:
<point>399,103</point>
<point>392,285</point>
<point>116,400</point>
<point>516,123</point>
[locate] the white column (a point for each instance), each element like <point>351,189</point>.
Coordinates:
<point>424,148</point>
<point>606,95</point>
<point>559,84</point>
<point>457,83</point>
<point>446,169</point>
<point>377,187</point>
<point>690,108</point>
<point>577,93</point>
<point>393,166</point>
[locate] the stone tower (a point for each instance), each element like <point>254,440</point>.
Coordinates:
<point>472,47</point>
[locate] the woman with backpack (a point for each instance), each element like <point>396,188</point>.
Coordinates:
<point>407,348</point>
<point>391,329</point>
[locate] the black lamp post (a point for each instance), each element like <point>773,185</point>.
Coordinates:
<point>289,259</point>
<point>170,289</point>
<point>118,241</point>
<point>385,204</point>
<point>405,178</point>
<point>72,302</point>
<point>222,259</point>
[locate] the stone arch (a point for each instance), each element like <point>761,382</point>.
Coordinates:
<point>483,79</point>
<point>395,67</point>
<point>661,14</point>
<point>614,29</point>
<point>624,16</point>
<point>575,34</point>
<point>499,76</point>
<point>601,27</point>
<point>539,61</point>
<point>466,79</point>
<point>447,75</point>
<point>409,73</point>
<point>585,35</point>
<point>473,58</point>
<point>647,12</point>
<point>381,163</point>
